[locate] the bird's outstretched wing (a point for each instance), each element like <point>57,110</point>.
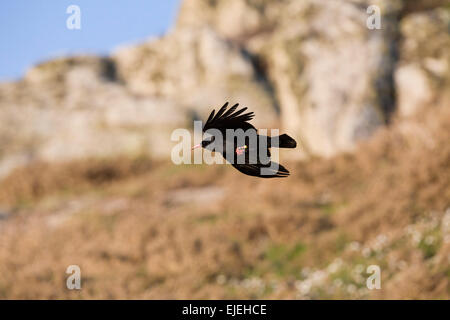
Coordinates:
<point>229,119</point>
<point>272,170</point>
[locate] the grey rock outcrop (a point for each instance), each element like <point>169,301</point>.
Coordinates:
<point>423,71</point>
<point>75,108</point>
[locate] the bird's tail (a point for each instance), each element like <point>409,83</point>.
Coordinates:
<point>284,141</point>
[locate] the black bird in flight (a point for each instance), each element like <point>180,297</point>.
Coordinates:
<point>245,149</point>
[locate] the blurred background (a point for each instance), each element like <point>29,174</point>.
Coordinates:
<point>86,176</point>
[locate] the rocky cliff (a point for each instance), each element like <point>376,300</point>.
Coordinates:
<point>312,67</point>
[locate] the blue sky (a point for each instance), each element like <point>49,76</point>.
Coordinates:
<point>34,31</point>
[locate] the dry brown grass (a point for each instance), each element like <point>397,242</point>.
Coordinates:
<point>142,230</point>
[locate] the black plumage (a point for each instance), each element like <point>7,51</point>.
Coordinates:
<point>246,150</point>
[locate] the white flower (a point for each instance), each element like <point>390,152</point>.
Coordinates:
<point>335,265</point>
<point>416,237</point>
<point>318,276</point>
<point>221,279</point>
<point>446,222</point>
<point>305,272</point>
<point>359,268</point>
<point>354,246</point>
<point>351,288</point>
<point>304,286</point>
<point>429,240</point>
<point>366,252</point>
<point>338,283</point>
<point>380,241</point>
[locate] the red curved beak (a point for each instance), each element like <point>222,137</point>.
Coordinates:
<point>196,146</point>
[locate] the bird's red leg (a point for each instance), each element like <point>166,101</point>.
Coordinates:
<point>241,150</point>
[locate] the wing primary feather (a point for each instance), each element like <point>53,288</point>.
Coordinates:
<point>245,117</point>
<point>230,111</point>
<point>211,116</point>
<point>224,118</point>
<point>221,111</point>
<point>237,113</point>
